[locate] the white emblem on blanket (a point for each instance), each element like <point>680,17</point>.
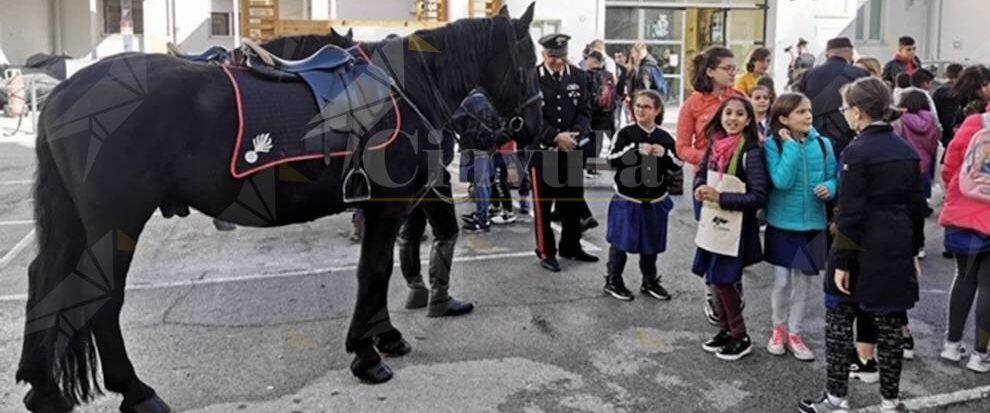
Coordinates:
<point>262,144</point>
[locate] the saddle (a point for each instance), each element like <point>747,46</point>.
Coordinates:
<point>215,54</point>
<point>351,97</point>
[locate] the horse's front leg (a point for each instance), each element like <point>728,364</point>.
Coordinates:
<point>370,324</point>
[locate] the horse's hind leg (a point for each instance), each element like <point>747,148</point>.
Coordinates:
<point>370,321</point>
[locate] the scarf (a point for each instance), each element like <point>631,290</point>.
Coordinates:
<point>722,150</point>
<point>908,63</point>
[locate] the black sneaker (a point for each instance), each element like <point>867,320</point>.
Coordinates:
<point>908,346</point>
<point>477,226</point>
<point>735,349</point>
<point>716,343</point>
<point>616,288</point>
<point>468,218</point>
<point>866,372</point>
<point>655,290</point>
<point>588,223</point>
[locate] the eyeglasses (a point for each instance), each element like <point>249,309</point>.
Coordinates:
<point>843,109</point>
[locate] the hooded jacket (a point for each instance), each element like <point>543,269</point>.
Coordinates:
<point>921,129</point>
<point>796,168</point>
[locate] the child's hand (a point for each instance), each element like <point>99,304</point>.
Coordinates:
<point>822,192</point>
<point>658,150</point>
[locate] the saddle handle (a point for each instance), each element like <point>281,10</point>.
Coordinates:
<point>262,54</point>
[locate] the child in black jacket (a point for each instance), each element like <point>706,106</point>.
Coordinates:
<point>645,162</point>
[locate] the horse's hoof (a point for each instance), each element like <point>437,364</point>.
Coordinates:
<point>397,348</point>
<point>47,402</point>
<point>152,405</point>
<point>375,374</point>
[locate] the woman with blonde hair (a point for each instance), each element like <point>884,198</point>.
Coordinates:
<point>871,65</point>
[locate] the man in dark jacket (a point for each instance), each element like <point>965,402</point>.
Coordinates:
<point>905,61</point>
<point>556,165</point>
<point>822,85</point>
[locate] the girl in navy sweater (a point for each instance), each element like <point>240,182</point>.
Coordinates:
<point>736,150</point>
<point>643,158</point>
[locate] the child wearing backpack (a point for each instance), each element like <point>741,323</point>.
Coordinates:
<point>643,157</point>
<point>919,126</point>
<point>966,173</point>
<point>802,168</point>
<point>603,105</point>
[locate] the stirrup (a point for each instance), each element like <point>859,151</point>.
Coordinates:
<point>357,186</point>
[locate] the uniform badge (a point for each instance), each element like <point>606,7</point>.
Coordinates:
<point>262,144</point>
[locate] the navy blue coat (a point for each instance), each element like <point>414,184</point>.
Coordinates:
<point>880,219</point>
<point>752,171</point>
<point>821,84</point>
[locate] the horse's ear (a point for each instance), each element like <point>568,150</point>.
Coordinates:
<point>504,11</point>
<point>527,17</point>
<point>350,34</point>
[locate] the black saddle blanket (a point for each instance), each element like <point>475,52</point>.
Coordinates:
<point>280,121</point>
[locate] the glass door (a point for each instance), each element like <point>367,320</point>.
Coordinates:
<point>661,29</point>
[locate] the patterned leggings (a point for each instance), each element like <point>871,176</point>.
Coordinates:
<point>839,344</point>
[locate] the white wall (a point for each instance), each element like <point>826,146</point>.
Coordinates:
<point>375,9</point>
<point>965,31</point>
<point>79,27</point>
<point>583,20</point>
<point>25,29</point>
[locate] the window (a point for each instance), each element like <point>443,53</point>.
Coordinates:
<point>219,24</point>
<point>869,21</point>
<point>111,16</point>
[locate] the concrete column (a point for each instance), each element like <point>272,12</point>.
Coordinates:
<point>321,10</point>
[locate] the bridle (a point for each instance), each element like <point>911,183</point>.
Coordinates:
<point>517,122</point>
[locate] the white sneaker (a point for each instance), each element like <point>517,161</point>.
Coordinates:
<point>892,405</point>
<point>979,362</point>
<point>505,218</point>
<point>922,254</point>
<point>952,351</point>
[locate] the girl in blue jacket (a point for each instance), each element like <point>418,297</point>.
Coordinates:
<point>802,168</point>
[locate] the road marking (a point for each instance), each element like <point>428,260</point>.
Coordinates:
<point>21,182</point>
<point>18,222</point>
<point>288,274</point>
<point>20,246</point>
<point>939,400</point>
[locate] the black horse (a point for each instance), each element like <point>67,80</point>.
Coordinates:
<point>138,132</point>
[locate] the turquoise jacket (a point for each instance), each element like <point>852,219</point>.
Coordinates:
<point>795,170</point>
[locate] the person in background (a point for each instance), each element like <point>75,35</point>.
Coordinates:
<point>735,150</point>
<point>604,94</point>
<point>762,98</point>
<point>609,64</point>
<point>880,229</point>
<point>946,102</point>
<point>622,87</point>
<point>802,167</point>
<point>801,61</point>
<point>756,67</point>
<point>643,158</point>
<point>712,79</point>
<point>920,127</point>
<point>871,65</point>
<point>646,72</point>
<point>901,83</point>
<point>967,235</point>
<point>822,85</point>
<point>904,61</point>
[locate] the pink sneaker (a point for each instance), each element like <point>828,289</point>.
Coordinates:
<point>797,347</point>
<point>777,340</point>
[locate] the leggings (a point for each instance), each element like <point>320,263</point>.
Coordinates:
<point>839,344</point>
<point>972,275</point>
<point>647,265</point>
<point>790,297</point>
<point>729,305</point>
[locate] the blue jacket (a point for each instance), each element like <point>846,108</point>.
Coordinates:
<point>795,171</point>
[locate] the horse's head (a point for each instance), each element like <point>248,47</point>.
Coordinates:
<point>509,75</point>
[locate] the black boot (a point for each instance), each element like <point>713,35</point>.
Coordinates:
<point>616,288</point>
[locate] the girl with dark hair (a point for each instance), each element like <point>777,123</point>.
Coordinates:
<point>735,151</point>
<point>802,168</point>
<point>756,67</point>
<point>712,80</point>
<point>643,157</point>
<point>920,127</point>
<point>973,91</point>
<point>880,229</point>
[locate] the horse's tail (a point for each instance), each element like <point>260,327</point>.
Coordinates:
<point>57,350</point>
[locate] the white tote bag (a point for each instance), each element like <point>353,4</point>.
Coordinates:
<point>720,230</point>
